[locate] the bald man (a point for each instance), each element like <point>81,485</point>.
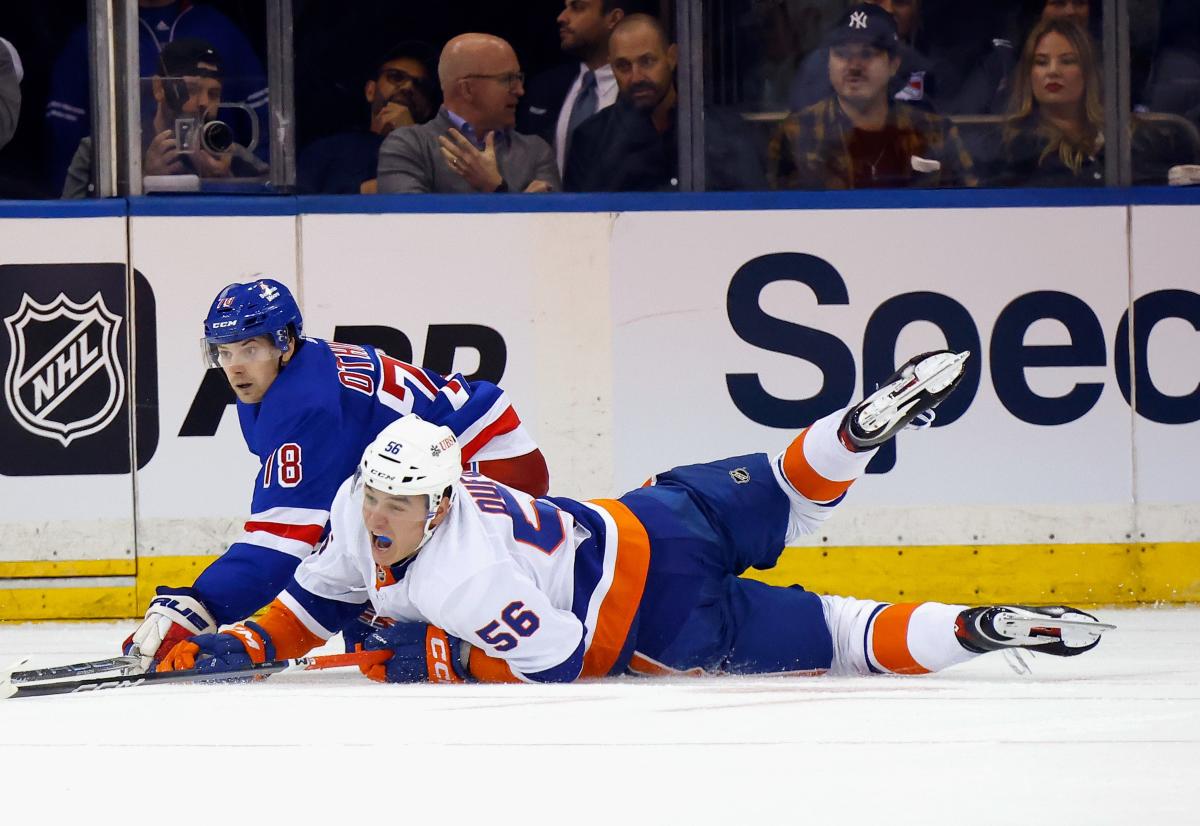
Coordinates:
<point>470,146</point>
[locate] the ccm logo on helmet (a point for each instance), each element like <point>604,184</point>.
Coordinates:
<point>218,325</point>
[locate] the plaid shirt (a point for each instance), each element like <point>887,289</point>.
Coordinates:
<point>810,149</point>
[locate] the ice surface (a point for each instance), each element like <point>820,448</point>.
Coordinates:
<point>1109,737</point>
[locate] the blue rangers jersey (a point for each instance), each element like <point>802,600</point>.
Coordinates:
<point>309,432</point>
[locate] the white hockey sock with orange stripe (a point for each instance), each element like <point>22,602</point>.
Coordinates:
<point>878,638</point>
<point>815,470</point>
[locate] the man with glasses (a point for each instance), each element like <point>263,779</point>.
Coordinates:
<point>401,92</point>
<point>470,146</point>
<point>860,137</point>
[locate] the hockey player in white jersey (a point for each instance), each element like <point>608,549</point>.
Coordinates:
<point>482,582</point>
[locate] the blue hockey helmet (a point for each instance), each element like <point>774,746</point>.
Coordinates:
<point>257,308</point>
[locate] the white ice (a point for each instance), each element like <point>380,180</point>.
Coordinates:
<point>1109,737</point>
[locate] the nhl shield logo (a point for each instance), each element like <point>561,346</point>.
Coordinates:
<point>63,380</point>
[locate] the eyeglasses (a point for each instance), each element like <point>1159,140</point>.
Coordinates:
<point>509,79</point>
<point>399,77</point>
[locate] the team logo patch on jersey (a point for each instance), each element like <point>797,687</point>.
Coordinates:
<point>740,475</point>
<point>58,350</point>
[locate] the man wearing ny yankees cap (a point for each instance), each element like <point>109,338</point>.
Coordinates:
<point>859,136</point>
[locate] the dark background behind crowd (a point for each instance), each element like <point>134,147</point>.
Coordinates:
<point>954,60</point>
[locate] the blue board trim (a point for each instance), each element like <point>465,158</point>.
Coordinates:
<point>241,205</point>
<point>111,208</point>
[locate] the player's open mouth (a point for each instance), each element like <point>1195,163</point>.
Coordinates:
<point>380,544</point>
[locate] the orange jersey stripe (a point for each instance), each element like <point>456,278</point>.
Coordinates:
<point>287,632</point>
<point>488,669</point>
<point>624,595</point>
<point>889,639</point>
<point>806,480</point>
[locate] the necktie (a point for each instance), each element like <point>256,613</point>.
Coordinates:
<point>585,104</point>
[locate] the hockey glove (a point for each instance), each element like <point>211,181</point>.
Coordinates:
<point>174,615</point>
<point>420,653</point>
<point>230,650</point>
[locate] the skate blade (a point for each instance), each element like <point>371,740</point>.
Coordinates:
<point>882,411</point>
<point>1073,633</point>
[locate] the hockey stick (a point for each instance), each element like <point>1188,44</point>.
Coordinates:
<point>8,690</point>
<point>71,670</point>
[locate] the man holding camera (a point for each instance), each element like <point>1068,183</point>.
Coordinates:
<point>187,137</point>
<point>184,136</point>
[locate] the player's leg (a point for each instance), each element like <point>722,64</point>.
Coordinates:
<point>826,458</point>
<point>920,637</point>
<point>741,626</point>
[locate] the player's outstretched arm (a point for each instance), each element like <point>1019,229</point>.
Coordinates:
<point>278,635</point>
<point>420,653</point>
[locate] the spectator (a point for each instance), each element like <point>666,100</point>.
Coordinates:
<point>1174,83</point>
<point>913,82</point>
<point>1077,10</point>
<point>471,145</point>
<point>11,73</point>
<point>558,100</point>
<point>160,22</point>
<point>859,136</point>
<point>1054,135</point>
<point>401,93</point>
<point>180,137</point>
<point>633,145</point>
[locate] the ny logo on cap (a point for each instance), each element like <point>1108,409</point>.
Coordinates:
<point>858,20</point>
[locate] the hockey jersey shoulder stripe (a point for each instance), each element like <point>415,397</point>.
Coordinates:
<point>618,595</point>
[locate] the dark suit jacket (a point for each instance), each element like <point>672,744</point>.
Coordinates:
<point>619,150</point>
<point>410,160</point>
<point>537,113</point>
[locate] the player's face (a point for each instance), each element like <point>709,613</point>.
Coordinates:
<point>860,72</point>
<point>250,365</point>
<point>1057,74</point>
<point>643,65</point>
<point>395,523</point>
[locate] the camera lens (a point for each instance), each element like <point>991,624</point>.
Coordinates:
<point>216,136</point>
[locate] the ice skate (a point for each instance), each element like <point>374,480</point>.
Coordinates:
<point>918,386</point>
<point>1058,629</point>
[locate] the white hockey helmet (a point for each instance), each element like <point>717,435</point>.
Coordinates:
<point>411,457</point>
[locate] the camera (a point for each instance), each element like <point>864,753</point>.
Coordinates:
<point>213,136</point>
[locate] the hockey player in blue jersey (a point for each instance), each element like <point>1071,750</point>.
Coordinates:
<point>307,409</point>
<point>482,582</point>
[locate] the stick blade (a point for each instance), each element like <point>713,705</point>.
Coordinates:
<point>6,674</point>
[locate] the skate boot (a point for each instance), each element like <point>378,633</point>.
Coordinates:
<point>918,386</point>
<point>1057,629</point>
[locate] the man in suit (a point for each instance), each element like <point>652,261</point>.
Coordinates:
<point>561,98</point>
<point>470,146</point>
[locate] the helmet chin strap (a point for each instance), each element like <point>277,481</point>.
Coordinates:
<point>434,504</point>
